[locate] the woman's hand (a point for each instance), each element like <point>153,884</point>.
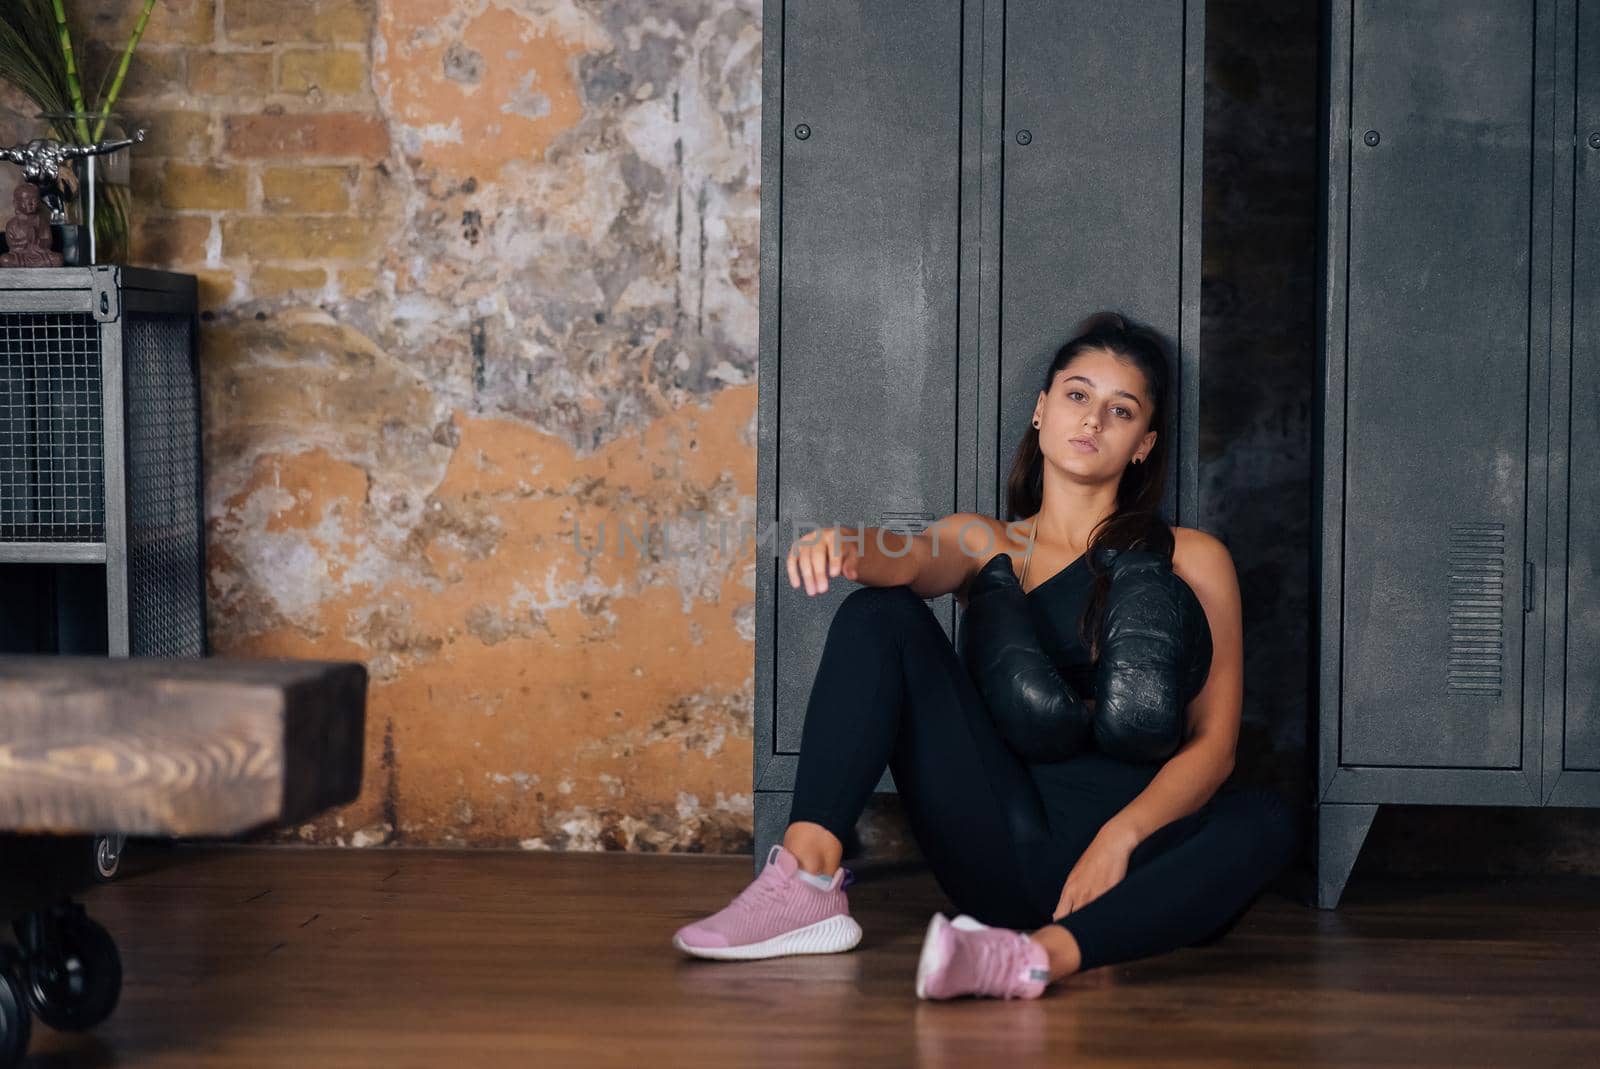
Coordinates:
<point>1102,867</point>
<point>821,553</point>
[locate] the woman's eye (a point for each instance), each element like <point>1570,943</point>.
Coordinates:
<point>1123,412</point>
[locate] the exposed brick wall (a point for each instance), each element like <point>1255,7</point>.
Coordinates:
<point>260,174</point>
<point>265,148</point>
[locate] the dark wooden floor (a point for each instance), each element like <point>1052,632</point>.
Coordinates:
<point>296,957</point>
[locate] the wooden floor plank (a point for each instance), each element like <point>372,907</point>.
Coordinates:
<point>267,956</point>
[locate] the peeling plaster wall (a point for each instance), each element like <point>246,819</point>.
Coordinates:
<point>479,282</point>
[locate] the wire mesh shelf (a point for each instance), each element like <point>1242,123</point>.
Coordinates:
<point>100,461</point>
<point>52,441</point>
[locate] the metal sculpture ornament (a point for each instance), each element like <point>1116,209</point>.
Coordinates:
<point>47,163</point>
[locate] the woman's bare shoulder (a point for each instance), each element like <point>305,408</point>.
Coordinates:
<point>1200,557</point>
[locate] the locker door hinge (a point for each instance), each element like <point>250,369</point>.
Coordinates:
<point>105,298</point>
<point>1527,586</point>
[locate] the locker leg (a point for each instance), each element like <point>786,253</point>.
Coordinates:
<point>771,821</point>
<point>1341,829</point>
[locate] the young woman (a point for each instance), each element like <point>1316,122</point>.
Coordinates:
<point>1072,847</point>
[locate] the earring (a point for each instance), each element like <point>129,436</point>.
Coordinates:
<point>1036,423</point>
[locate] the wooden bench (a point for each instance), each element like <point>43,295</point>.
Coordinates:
<point>144,746</point>
<point>147,746</point>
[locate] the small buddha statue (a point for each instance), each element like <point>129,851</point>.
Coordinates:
<point>28,232</point>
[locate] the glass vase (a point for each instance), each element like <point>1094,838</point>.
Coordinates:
<point>100,209</point>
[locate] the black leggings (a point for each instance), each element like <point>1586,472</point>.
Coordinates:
<point>1000,834</point>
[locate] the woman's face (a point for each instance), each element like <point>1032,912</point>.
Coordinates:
<point>1095,418</point>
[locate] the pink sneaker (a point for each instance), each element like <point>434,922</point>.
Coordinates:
<point>966,957</point>
<point>779,913</point>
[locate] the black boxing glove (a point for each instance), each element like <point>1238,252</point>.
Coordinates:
<point>1155,654</point>
<point>1038,713</point>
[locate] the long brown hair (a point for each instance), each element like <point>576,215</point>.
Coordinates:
<point>1137,522</point>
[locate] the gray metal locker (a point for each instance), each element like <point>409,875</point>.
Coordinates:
<point>1446,244</point>
<point>1572,705</point>
<point>1100,192</point>
<point>947,188</point>
<point>868,407</point>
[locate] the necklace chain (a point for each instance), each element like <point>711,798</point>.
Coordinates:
<point>1028,555</point>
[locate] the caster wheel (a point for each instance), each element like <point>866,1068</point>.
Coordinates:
<point>73,972</point>
<point>15,1024</point>
<point>108,855</point>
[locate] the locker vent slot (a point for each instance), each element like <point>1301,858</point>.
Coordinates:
<point>1477,558</point>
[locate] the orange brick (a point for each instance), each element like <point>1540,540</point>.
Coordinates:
<point>215,286</point>
<point>301,237</point>
<point>357,281</point>
<point>322,134</point>
<point>173,22</point>
<point>272,21</point>
<point>169,241</point>
<point>147,175</point>
<point>371,190</point>
<point>203,187</point>
<point>176,133</point>
<point>154,71</point>
<point>268,281</point>
<point>230,73</point>
<point>336,72</point>
<point>306,189</point>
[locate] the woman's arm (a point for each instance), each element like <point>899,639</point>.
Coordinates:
<point>1203,763</point>
<point>937,560</point>
<point>950,552</point>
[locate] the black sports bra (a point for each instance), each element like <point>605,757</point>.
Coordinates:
<point>1057,605</point>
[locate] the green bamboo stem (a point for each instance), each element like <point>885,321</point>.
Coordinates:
<point>122,68</point>
<point>72,68</point>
